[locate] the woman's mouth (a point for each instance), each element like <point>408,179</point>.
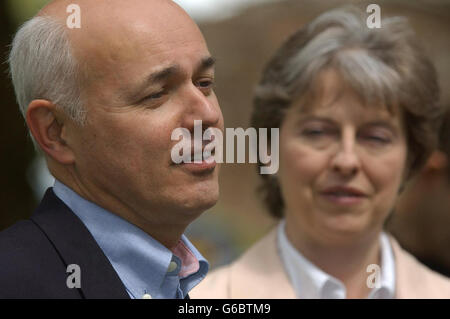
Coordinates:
<point>343,195</point>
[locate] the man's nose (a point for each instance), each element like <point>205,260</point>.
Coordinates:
<point>201,107</point>
<point>346,160</point>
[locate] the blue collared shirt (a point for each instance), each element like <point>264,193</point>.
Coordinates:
<point>144,265</point>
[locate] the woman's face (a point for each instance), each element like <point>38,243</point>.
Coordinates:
<point>341,166</point>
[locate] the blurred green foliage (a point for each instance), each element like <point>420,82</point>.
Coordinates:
<point>22,10</point>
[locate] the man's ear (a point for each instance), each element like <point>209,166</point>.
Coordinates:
<point>46,124</point>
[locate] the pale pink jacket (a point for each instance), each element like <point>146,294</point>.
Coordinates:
<point>260,274</point>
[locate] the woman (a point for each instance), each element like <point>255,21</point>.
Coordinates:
<point>357,110</point>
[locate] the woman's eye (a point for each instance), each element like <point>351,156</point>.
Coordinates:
<point>378,139</point>
<point>377,136</point>
<point>315,133</point>
<point>312,132</point>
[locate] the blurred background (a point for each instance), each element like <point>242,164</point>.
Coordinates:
<point>242,35</point>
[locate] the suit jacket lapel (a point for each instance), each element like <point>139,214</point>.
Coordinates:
<point>412,281</point>
<point>261,265</point>
<point>75,244</point>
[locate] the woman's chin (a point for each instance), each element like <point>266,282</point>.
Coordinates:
<point>344,229</point>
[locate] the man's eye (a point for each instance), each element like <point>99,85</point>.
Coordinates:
<point>205,85</point>
<point>154,99</point>
<point>156,96</point>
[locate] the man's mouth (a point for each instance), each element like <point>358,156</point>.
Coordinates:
<point>200,157</point>
<point>197,163</point>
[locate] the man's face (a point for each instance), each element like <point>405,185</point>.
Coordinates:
<point>147,77</point>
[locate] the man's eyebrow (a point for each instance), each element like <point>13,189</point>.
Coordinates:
<point>206,63</point>
<point>155,77</point>
<point>167,72</point>
<point>164,74</point>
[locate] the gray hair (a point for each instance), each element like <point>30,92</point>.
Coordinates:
<point>369,60</point>
<point>42,66</point>
<point>383,66</point>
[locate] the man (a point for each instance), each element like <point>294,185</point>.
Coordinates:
<point>101,101</point>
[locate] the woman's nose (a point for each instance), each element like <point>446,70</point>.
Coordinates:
<point>346,160</point>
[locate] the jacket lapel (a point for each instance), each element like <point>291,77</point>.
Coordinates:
<point>415,280</point>
<point>261,265</point>
<point>75,245</point>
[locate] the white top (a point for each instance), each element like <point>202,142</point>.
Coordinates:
<point>310,282</point>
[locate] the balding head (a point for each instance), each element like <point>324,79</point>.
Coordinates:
<point>112,18</point>
<point>115,11</point>
<point>113,29</point>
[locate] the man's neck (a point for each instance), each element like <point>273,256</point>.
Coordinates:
<point>166,230</point>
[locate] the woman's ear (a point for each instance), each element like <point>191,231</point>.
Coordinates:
<point>437,161</point>
<point>47,124</point>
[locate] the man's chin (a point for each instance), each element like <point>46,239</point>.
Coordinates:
<point>194,197</point>
<point>201,204</point>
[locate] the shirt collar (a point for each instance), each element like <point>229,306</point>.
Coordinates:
<point>141,262</point>
<point>309,281</point>
<point>387,289</point>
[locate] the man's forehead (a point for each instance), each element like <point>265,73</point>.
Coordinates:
<point>116,21</point>
<point>136,48</point>
<point>116,34</point>
<point>58,8</point>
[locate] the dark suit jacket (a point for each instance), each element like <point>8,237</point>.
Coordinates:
<point>35,253</point>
